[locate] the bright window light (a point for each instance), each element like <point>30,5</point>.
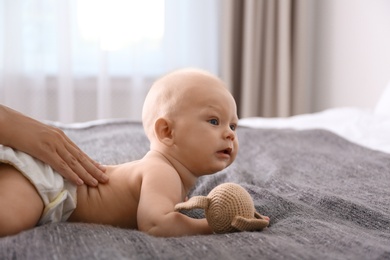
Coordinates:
<point>119,23</point>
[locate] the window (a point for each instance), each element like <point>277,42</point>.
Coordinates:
<point>89,59</point>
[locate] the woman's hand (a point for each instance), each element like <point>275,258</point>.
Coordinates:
<point>50,145</point>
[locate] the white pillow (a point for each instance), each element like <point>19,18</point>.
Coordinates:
<point>383,105</point>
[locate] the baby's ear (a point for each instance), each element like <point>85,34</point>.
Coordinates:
<point>163,130</point>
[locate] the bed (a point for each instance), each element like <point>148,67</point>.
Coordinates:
<point>322,178</point>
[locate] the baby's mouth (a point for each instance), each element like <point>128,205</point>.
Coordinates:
<point>227,151</point>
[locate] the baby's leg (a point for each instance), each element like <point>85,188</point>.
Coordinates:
<point>20,204</point>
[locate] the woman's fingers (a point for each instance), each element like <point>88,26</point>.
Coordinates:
<point>50,145</point>
<point>72,163</point>
<point>82,165</point>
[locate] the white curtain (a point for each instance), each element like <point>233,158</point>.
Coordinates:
<point>80,60</point>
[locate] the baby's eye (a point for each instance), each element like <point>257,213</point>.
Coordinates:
<point>214,121</point>
<point>233,127</point>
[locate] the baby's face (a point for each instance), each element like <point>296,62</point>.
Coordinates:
<point>205,128</point>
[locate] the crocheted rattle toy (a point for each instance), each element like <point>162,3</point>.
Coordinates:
<point>228,208</point>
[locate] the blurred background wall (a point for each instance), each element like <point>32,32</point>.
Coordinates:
<point>351,52</point>
<point>80,60</point>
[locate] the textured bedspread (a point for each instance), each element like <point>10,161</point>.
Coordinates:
<point>327,199</point>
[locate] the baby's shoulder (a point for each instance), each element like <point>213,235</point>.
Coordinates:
<point>144,167</point>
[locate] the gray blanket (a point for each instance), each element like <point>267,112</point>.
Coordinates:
<point>327,199</point>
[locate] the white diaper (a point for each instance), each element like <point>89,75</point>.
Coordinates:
<point>57,193</point>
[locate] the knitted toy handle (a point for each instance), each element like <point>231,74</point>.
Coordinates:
<point>199,202</point>
<point>244,224</point>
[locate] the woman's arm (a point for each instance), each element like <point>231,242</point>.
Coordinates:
<point>50,145</point>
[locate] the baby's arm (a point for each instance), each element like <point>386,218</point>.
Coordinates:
<point>160,192</point>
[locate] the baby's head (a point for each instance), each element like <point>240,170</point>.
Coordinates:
<point>190,113</point>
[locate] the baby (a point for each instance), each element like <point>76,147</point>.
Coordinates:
<point>190,119</point>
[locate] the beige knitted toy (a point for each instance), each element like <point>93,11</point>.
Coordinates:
<point>228,208</point>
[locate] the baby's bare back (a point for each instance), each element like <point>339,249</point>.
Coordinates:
<point>114,203</point>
